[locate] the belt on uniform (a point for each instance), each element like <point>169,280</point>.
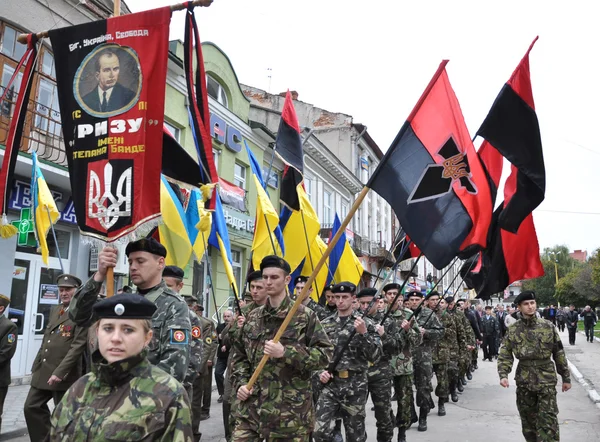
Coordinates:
<point>535,362</point>
<point>345,374</point>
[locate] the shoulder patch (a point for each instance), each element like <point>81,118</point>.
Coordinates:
<point>196,332</point>
<point>11,338</point>
<point>179,336</point>
<point>208,340</point>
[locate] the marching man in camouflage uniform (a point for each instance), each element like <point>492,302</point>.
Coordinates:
<point>379,375</point>
<point>460,356</point>
<point>299,284</point>
<point>345,390</point>
<point>432,331</point>
<point>279,406</point>
<point>534,341</point>
<point>169,347</point>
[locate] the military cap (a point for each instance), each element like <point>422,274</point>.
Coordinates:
<point>488,307</point>
<point>126,289</point>
<point>173,272</point>
<point>300,279</point>
<point>257,274</point>
<point>66,280</point>
<point>527,295</point>
<point>366,293</point>
<point>201,308</point>
<point>188,296</point>
<point>344,287</point>
<point>449,299</point>
<point>275,261</point>
<point>328,288</point>
<point>125,306</point>
<point>149,245</point>
<point>390,286</point>
<point>414,293</point>
<point>4,301</point>
<point>431,294</point>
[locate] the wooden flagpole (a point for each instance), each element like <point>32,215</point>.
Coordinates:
<point>359,199</point>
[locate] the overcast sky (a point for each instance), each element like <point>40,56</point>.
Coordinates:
<point>372,60</point>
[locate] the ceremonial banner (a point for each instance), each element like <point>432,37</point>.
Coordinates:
<point>111,77</point>
<point>433,179</point>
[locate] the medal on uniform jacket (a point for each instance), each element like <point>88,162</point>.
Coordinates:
<point>111,78</point>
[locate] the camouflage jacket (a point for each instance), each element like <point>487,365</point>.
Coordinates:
<point>401,362</point>
<point>392,343</point>
<point>321,312</point>
<point>169,348</point>
<point>196,349</point>
<point>282,396</point>
<point>125,400</point>
<point>533,341</point>
<point>434,330</point>
<point>462,338</point>
<point>210,341</point>
<point>362,350</point>
<point>449,342</point>
<point>465,326</point>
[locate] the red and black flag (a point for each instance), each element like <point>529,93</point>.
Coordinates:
<point>177,163</point>
<point>288,147</point>
<point>433,179</point>
<point>15,131</point>
<point>511,127</point>
<point>197,92</point>
<point>111,77</point>
<point>406,249</point>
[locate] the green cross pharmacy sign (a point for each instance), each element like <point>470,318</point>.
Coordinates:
<point>26,227</point>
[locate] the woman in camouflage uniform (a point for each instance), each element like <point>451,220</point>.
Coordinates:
<point>124,397</point>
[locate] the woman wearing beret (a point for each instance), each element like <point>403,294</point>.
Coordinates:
<point>124,397</point>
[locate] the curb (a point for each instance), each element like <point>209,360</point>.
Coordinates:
<point>591,390</point>
<point>14,434</point>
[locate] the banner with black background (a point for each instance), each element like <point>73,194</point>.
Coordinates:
<point>111,77</point>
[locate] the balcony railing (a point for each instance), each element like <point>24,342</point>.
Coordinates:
<point>42,131</point>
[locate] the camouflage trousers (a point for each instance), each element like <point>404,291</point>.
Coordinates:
<point>538,411</point>
<point>345,398</point>
<point>423,372</point>
<point>465,361</point>
<point>380,389</point>
<point>453,370</point>
<point>251,436</point>
<point>403,387</point>
<point>442,390</point>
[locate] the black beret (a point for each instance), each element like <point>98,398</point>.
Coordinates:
<point>126,289</point>
<point>300,279</point>
<point>527,295</point>
<point>329,288</point>
<point>125,306</point>
<point>67,280</point>
<point>253,276</point>
<point>432,294</point>
<point>414,293</point>
<point>390,286</point>
<point>488,307</point>
<point>275,261</point>
<point>149,245</point>
<point>173,272</point>
<point>449,299</point>
<point>4,301</point>
<point>367,293</point>
<point>201,308</point>
<point>344,287</point>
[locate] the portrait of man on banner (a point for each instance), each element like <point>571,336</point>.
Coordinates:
<point>108,81</point>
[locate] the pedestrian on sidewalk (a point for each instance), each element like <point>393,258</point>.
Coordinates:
<point>222,354</point>
<point>534,342</point>
<point>561,318</point>
<point>125,397</point>
<point>8,347</point>
<point>571,318</point>
<point>589,321</point>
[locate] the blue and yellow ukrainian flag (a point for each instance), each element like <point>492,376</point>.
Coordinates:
<point>173,231</point>
<point>343,262</point>
<point>45,212</point>
<point>198,221</point>
<point>219,238</point>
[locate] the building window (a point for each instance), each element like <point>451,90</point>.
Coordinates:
<point>48,64</point>
<point>327,196</point>
<point>239,175</point>
<point>47,116</point>
<point>216,156</point>
<point>6,107</point>
<point>216,91</point>
<point>10,45</point>
<point>358,224</point>
<point>344,211</point>
<point>236,263</point>
<point>309,189</point>
<point>175,131</point>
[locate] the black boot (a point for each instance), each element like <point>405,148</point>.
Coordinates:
<point>401,434</point>
<point>453,393</point>
<point>459,386</point>
<point>469,375</point>
<point>441,408</point>
<point>423,419</point>
<point>463,380</point>
<point>431,403</point>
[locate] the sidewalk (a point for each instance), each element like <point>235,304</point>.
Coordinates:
<point>585,357</point>
<point>13,420</point>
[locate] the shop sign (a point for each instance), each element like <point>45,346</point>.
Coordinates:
<point>226,134</point>
<point>232,195</point>
<point>20,198</point>
<point>49,294</point>
<point>239,223</point>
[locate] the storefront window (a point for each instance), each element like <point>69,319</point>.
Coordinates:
<point>18,294</point>
<point>48,279</point>
<point>236,258</point>
<point>64,241</point>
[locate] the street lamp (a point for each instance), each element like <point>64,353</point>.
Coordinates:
<point>556,274</point>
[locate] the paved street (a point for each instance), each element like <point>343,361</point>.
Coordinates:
<point>485,411</point>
